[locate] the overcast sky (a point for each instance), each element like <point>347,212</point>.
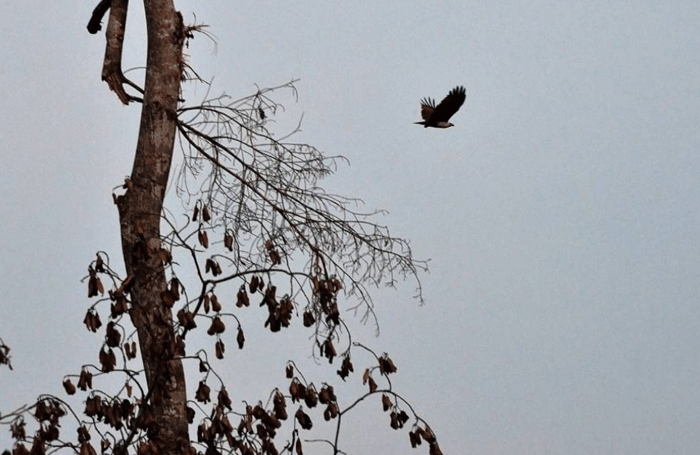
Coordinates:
<point>560,214</point>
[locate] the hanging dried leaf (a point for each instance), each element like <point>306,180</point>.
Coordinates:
<point>38,447</point>
<point>119,306</point>
<point>328,350</point>
<point>297,448</point>
<point>213,266</point>
<point>215,305</point>
<point>308,318</point>
<point>253,285</point>
<point>279,406</point>
<point>129,389</point>
<point>327,394</point>
<point>220,349</point>
<point>186,319</point>
<point>372,385</point>
<point>20,449</point>
<point>83,434</point>
<point>202,394</point>
<point>297,390</point>
<point>94,284</point>
<point>205,301</point>
<point>331,411</point>
<point>386,402</point>
<point>426,434</point>
<point>113,337</point>
<point>85,381</point>
<point>435,449</point>
<point>228,241</point>
<point>395,423</point>
<point>386,365</point>
<point>289,371</point>
<point>93,406</point>
<point>223,399</point>
<point>217,326</point>
<point>107,360</point>
<point>242,298</point>
<point>303,419</point>
<point>99,264</point>
<point>346,368</point>
<point>311,398</point>
<point>92,320</point>
<point>205,214</point>
<point>203,239</point>
<point>69,387</point>
<point>240,338</point>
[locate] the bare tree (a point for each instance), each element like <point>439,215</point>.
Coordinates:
<point>259,227</point>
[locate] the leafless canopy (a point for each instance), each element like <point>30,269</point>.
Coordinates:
<point>265,200</point>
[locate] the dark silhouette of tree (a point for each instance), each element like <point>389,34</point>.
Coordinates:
<point>258,226</point>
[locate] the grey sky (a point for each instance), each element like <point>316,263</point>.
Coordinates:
<point>560,214</point>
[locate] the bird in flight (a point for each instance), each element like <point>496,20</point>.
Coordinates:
<point>438,116</point>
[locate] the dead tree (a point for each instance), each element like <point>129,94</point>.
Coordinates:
<point>259,226</point>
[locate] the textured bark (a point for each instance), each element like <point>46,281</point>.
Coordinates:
<point>112,66</point>
<point>139,211</point>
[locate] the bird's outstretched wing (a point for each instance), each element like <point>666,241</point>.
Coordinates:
<point>427,106</point>
<point>448,106</point>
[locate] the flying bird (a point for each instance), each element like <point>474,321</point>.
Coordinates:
<point>438,116</point>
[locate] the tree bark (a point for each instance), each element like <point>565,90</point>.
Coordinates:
<point>140,209</point>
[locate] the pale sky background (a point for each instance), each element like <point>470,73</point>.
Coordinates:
<point>560,214</point>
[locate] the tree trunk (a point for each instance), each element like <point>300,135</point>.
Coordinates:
<point>139,210</point>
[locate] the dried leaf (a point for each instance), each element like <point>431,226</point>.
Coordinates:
<point>372,385</point>
<point>308,319</point>
<point>223,399</point>
<point>205,301</point>
<point>203,239</point>
<point>242,298</point>
<point>435,449</point>
<point>240,338</point>
<point>113,337</point>
<point>202,394</point>
<point>205,214</point>
<point>215,305</point>
<point>303,419</point>
<point>386,365</point>
<point>219,349</point>
<point>311,398</point>
<point>327,394</point>
<point>346,368</point>
<point>217,326</point>
<point>69,387</point>
<point>85,380</point>
<point>386,402</point>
